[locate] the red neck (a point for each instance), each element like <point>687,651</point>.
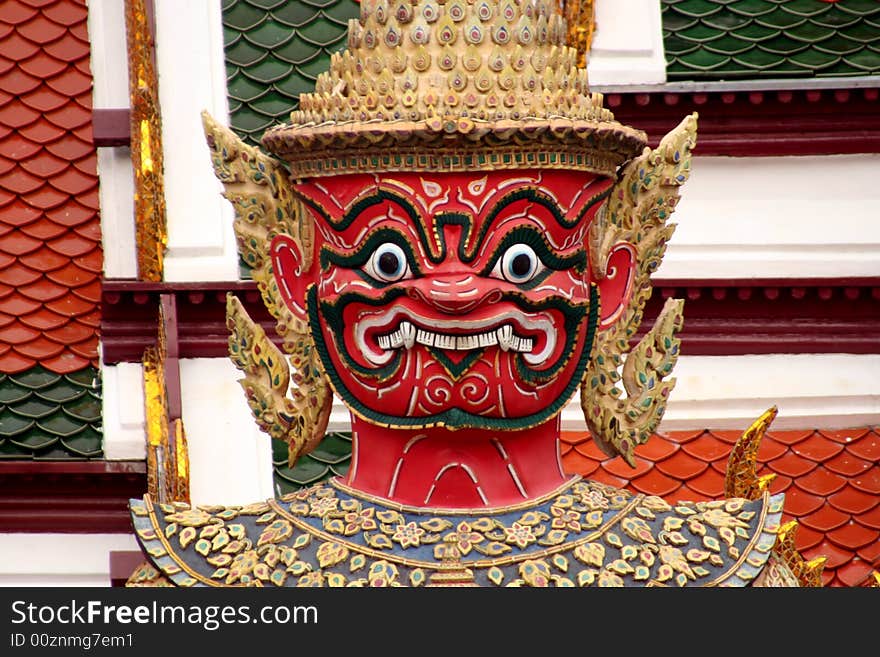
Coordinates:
<point>468,468</point>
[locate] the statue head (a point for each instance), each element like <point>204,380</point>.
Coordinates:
<point>462,234</point>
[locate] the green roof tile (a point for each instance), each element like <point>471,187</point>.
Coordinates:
<point>741,39</point>
<point>331,458</point>
<point>281,46</point>
<point>48,416</point>
<point>275,50</point>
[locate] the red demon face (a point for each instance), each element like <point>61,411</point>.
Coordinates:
<point>456,300</point>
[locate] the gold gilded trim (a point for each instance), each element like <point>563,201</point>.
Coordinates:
<point>479,563</point>
<point>171,554</point>
<point>146,144</point>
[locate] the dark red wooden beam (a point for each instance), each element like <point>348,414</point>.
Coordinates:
<point>69,496</point>
<point>722,317</point>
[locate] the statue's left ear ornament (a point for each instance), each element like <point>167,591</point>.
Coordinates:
<point>286,391</point>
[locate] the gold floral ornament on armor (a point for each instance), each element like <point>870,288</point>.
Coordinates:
<point>456,85</point>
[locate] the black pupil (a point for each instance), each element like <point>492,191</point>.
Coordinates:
<point>389,263</point>
<point>521,265</point>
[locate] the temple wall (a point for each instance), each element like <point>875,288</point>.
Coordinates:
<point>59,560</point>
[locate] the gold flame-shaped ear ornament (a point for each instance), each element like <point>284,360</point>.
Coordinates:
<point>288,395</point>
<point>638,211</point>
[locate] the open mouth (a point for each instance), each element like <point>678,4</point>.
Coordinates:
<point>407,335</point>
<point>533,335</point>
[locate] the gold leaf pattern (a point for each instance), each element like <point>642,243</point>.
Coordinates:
<point>630,547</point>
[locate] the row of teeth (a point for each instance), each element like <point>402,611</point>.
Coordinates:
<point>407,335</point>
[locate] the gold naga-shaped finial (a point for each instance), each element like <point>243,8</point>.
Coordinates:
<point>638,212</point>
<point>742,480</point>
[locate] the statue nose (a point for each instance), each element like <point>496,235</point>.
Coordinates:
<point>454,294</point>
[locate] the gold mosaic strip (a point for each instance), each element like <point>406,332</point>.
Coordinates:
<point>146,144</point>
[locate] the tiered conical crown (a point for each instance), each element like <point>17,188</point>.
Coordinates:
<point>453,85</point>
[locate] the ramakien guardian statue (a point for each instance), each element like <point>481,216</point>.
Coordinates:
<point>455,236</point>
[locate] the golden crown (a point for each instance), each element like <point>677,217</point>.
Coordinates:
<point>452,85</point>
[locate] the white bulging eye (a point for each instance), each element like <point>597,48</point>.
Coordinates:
<point>519,264</point>
<point>388,263</point>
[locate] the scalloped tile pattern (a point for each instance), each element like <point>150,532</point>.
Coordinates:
<point>332,457</point>
<point>737,39</point>
<point>50,235</point>
<point>49,416</point>
<point>275,50</point>
<point>831,481</point>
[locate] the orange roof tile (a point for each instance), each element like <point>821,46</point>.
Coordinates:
<point>831,481</point>
<point>50,236</point>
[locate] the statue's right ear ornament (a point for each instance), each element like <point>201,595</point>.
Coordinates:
<point>637,216</point>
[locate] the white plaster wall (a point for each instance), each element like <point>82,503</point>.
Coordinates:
<point>627,44</point>
<point>777,217</point>
<point>230,458</point>
<point>116,190</point>
<point>59,560</point>
<point>123,412</point>
<point>192,78</point>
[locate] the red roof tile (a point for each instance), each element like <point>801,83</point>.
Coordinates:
<point>18,82</point>
<point>21,182</point>
<point>871,518</point>
<point>867,447</point>
<point>39,348</point>
<point>821,482</point>
<point>771,449</point>
<point>799,504</point>
<point>871,554</point>
<point>868,482</point>
<point>847,465</point>
<point>854,501</point>
<point>17,332</point>
<point>17,274</point>
<point>817,448</point>
<point>44,290</point>
<point>67,48</point>
<point>44,260</point>
<point>50,239</point>
<point>16,114</point>
<point>16,47</point>
<point>792,465</point>
<point>682,467</point>
<point>71,147</point>
<point>15,12</point>
<point>44,164</point>
<point>835,518</point>
<point>854,573</point>
<point>41,30</point>
<point>16,304</point>
<point>853,536</point>
<point>71,333</point>
<point>845,436</point>
<point>656,484</point>
<point>44,319</point>
<point>12,363</point>
<point>826,519</point>
<point>654,450</point>
<point>42,65</point>
<point>65,362</point>
<point>17,147</point>
<point>70,117</point>
<point>69,275</point>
